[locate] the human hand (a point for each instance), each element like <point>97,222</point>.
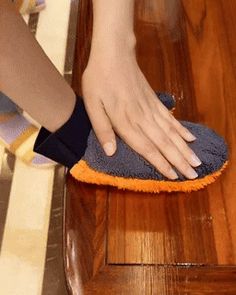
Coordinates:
<point>119,99</point>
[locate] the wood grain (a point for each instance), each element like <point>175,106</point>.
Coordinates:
<point>124,242</point>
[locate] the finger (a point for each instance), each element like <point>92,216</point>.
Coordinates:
<point>102,126</point>
<point>186,151</point>
<point>144,147</point>
<point>184,132</point>
<point>182,146</point>
<point>168,149</point>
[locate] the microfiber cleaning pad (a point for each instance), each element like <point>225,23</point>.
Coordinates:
<point>128,170</point>
<point>75,145</point>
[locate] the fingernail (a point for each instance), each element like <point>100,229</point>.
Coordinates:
<point>109,148</point>
<point>173,174</point>
<point>192,137</point>
<point>192,174</point>
<point>196,161</point>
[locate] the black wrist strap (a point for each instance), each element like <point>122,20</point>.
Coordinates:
<point>67,145</point>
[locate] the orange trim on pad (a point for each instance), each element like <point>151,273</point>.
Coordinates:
<point>82,172</point>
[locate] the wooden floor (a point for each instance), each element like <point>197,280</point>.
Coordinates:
<point>182,243</point>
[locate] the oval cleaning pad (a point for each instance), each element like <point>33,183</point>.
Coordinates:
<point>128,170</point>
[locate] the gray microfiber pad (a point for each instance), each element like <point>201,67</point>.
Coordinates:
<point>167,99</point>
<point>209,147</point>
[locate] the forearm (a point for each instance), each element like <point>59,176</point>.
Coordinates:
<point>113,25</point>
<point>27,76</point>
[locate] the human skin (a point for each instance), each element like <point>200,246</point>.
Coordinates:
<point>117,96</point>
<point>27,75</point>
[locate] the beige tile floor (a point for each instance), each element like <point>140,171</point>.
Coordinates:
<point>26,193</point>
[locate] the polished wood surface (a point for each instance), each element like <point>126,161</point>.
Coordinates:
<point>120,242</point>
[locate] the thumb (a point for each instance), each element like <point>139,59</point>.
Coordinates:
<point>102,128</point>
